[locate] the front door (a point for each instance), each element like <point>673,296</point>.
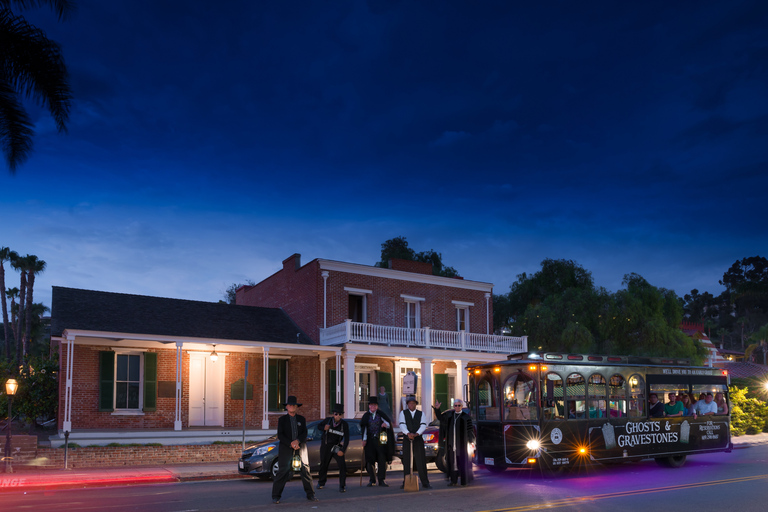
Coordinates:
<point>206,391</point>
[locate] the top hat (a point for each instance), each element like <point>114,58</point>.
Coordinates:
<point>411,398</point>
<point>373,400</point>
<point>338,408</point>
<point>292,401</point>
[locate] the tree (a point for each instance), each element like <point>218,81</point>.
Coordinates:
<point>759,347</point>
<point>34,267</point>
<point>32,66</point>
<point>5,255</point>
<point>230,295</point>
<point>746,284</point>
<point>18,263</point>
<point>397,248</point>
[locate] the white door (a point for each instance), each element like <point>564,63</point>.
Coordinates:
<point>206,391</point>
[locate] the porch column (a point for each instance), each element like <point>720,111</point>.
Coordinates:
<point>67,424</point>
<point>179,362</point>
<point>350,394</point>
<point>461,377</point>
<point>426,387</point>
<point>265,392</point>
<point>323,386</point>
<point>338,383</point>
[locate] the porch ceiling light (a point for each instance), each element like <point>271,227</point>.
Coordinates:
<point>214,355</point>
<point>11,386</point>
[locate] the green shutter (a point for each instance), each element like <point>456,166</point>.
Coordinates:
<point>276,384</point>
<point>441,391</point>
<point>106,381</point>
<point>385,379</point>
<point>150,381</point>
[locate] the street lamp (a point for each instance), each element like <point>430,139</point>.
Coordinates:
<point>10,389</point>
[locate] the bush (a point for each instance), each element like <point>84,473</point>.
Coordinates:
<point>748,415</point>
<point>36,400</point>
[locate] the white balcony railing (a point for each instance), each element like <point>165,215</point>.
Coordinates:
<point>356,332</point>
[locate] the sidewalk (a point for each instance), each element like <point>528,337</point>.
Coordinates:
<point>27,479</point>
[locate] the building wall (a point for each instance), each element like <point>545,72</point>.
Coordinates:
<point>299,291</point>
<point>85,394</point>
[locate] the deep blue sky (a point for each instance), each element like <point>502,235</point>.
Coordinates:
<point>211,140</point>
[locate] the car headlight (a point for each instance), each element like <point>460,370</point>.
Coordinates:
<point>263,450</point>
<point>533,444</point>
<point>430,438</point>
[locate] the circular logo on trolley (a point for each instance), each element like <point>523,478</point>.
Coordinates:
<point>556,435</point>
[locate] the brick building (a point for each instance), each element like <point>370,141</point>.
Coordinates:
<point>137,367</point>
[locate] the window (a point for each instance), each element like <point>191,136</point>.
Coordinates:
<point>617,396</point>
<point>127,381</point>
<point>487,400</point>
<point>576,391</point>
<point>357,308</point>
<point>277,380</point>
<point>636,397</point>
<point>520,398</point>
<point>553,397</point>
<point>596,393</point>
<point>462,319</point>
<point>412,315</point>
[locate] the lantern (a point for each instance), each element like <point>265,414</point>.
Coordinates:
<point>383,437</point>
<point>296,462</point>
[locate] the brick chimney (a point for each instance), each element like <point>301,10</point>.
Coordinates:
<point>416,267</point>
<point>292,262</point>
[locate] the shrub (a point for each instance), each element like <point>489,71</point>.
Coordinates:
<point>748,415</point>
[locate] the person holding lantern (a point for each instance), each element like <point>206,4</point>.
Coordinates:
<point>292,451</point>
<point>378,442</point>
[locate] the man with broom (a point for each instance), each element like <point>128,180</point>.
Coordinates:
<point>412,425</point>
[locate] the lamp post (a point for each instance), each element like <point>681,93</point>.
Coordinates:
<point>10,389</point>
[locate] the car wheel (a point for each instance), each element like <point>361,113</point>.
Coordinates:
<point>274,470</point>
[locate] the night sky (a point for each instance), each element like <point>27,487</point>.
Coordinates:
<point>209,141</point>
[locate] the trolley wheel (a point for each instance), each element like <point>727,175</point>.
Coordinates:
<point>440,461</point>
<point>675,461</point>
<point>496,469</point>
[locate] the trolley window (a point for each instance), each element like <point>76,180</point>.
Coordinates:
<point>520,397</point>
<point>577,399</point>
<point>553,397</point>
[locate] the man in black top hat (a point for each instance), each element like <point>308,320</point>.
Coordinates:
<point>333,446</point>
<point>412,425</point>
<point>373,424</point>
<point>292,434</point>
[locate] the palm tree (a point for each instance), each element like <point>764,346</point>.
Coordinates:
<point>19,263</point>
<point>5,255</point>
<point>34,266</point>
<point>31,65</point>
<point>13,294</point>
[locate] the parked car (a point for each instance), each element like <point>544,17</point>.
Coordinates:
<point>433,452</point>
<point>260,459</point>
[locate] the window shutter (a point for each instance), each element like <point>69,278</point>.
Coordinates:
<point>441,391</point>
<point>106,381</point>
<point>150,381</point>
<point>332,387</point>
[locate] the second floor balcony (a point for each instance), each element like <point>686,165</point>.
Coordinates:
<point>357,332</point>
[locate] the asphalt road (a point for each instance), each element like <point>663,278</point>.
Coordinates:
<point>714,482</point>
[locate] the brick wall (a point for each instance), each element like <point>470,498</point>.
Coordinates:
<point>303,375</point>
<point>111,456</point>
<point>299,291</point>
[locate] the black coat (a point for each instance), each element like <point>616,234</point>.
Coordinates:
<point>285,436</point>
<point>330,439</point>
<point>390,453</point>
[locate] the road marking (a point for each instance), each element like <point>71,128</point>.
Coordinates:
<point>582,499</point>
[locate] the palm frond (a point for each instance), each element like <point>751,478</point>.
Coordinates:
<point>62,8</point>
<point>15,127</point>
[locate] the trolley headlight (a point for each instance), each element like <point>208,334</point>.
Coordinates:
<point>533,444</point>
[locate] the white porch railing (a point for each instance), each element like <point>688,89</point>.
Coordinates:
<point>356,332</point>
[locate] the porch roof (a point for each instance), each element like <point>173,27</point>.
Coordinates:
<point>88,310</point>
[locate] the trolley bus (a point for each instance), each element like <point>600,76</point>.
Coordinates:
<point>556,411</point>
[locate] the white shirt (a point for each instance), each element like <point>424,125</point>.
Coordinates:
<point>404,426</point>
